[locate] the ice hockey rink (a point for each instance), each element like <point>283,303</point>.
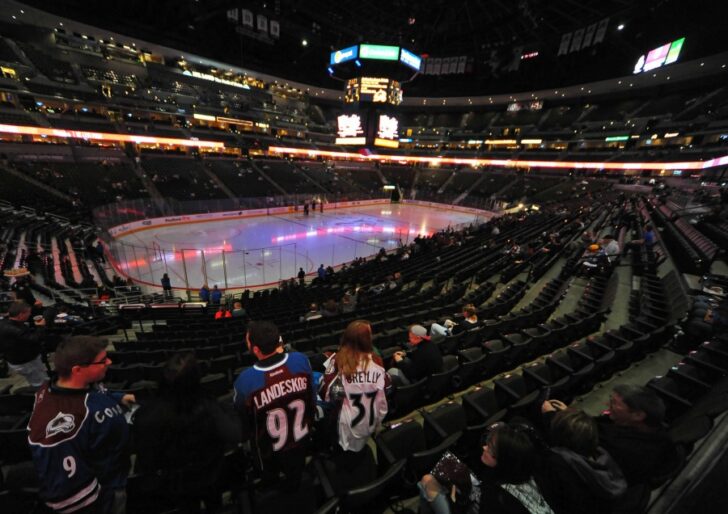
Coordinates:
<point>264,250</point>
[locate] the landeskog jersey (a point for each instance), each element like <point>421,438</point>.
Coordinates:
<point>360,399</point>
<point>78,440</point>
<point>280,400</point>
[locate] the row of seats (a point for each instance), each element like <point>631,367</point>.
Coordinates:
<point>406,450</point>
<point>688,259</point>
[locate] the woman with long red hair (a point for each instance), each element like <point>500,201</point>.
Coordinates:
<point>355,384</point>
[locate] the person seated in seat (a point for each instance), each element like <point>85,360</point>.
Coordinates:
<point>515,251</point>
<point>66,317</point>
<point>594,260</point>
<point>632,431</point>
<point>238,310</point>
<point>610,248</point>
<point>422,358</point>
<point>505,484</point>
<point>330,308</point>
<point>450,328</point>
<point>23,346</point>
<point>647,242</point>
<point>578,475</point>
<point>312,314</point>
<point>223,313</point>
<point>183,434</point>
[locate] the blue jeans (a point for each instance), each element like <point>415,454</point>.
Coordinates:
<point>34,371</point>
<point>438,332</point>
<point>439,504</point>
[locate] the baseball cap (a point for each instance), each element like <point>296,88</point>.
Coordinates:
<point>419,331</point>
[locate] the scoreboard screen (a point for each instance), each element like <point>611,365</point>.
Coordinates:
<point>370,126</point>
<point>351,95</point>
<point>387,131</point>
<point>660,56</point>
<point>350,130</point>
<point>373,89</point>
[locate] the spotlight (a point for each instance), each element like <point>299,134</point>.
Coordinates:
<point>620,26</point>
<point>304,42</point>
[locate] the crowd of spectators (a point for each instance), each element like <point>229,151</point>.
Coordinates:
<point>558,461</point>
<point>287,403</point>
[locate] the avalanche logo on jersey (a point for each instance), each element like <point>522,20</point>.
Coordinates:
<point>62,424</point>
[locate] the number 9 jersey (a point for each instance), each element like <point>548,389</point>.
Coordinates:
<point>78,439</point>
<point>276,400</point>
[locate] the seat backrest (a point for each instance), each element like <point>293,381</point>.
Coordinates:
<point>443,421</point>
<point>358,499</point>
<point>14,446</point>
<point>330,507</point>
<point>440,384</point>
<point>470,354</point>
<point>11,404</point>
<point>422,462</point>
<point>407,398</point>
<point>483,401</point>
<point>495,345</point>
<point>400,441</point>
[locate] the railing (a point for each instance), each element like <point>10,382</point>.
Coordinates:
<point>215,262</point>
<point>107,216</point>
<point>189,269</point>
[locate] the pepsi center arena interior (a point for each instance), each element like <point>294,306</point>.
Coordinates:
<point>387,161</point>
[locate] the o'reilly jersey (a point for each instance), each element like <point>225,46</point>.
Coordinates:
<point>363,404</point>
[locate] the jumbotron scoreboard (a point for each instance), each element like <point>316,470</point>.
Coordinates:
<point>373,76</point>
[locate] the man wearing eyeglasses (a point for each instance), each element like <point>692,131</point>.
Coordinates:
<point>78,434</point>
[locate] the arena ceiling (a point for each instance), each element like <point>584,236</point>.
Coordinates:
<point>491,34</point>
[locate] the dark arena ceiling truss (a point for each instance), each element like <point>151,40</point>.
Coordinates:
<point>505,45</point>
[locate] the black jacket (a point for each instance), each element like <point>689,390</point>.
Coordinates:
<point>572,483</point>
<point>641,455</point>
<point>185,442</point>
<point>19,342</point>
<point>424,360</point>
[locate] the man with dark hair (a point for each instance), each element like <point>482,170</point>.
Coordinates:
<point>276,401</point>
<point>632,432</point>
<point>78,434</point>
<point>22,345</point>
<point>22,290</point>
